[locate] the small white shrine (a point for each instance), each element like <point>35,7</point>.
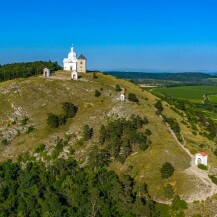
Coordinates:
<point>122,96</point>
<point>46,72</point>
<point>74,75</point>
<point>201,158</point>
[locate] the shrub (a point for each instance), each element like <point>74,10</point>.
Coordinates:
<point>97,93</point>
<point>87,133</point>
<point>62,119</point>
<point>132,97</point>
<point>30,129</point>
<point>158,105</point>
<point>24,121</point>
<point>94,75</point>
<point>4,142</point>
<point>145,120</point>
<point>143,146</point>
<point>148,132</point>
<point>168,191</point>
<point>215,152</point>
<point>40,148</point>
<point>52,120</point>
<point>202,167</point>
<point>57,150</point>
<point>213,178</point>
<point>178,204</point>
<point>118,88</point>
<point>69,109</point>
<point>167,170</point>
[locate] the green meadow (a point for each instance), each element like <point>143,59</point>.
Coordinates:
<point>192,93</point>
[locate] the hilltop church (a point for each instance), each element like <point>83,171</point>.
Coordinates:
<point>73,64</point>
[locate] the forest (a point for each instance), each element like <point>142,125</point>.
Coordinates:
<point>24,70</point>
<point>61,187</point>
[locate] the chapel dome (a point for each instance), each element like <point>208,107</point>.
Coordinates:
<point>72,54</point>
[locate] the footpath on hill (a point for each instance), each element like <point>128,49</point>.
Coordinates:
<point>202,175</point>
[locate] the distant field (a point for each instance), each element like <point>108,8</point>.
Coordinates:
<point>213,79</point>
<point>213,98</point>
<point>191,93</point>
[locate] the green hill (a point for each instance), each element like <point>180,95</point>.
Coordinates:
<point>26,103</point>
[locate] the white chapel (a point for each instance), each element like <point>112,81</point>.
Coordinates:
<point>70,63</point>
<point>74,64</point>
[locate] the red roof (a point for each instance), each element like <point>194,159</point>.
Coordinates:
<point>203,153</point>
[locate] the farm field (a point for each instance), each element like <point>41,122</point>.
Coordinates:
<point>213,98</point>
<point>192,93</point>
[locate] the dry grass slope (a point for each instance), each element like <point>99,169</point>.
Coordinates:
<point>36,96</point>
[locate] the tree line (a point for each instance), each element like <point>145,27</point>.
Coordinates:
<point>24,70</point>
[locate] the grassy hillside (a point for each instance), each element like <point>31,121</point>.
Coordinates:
<point>25,104</point>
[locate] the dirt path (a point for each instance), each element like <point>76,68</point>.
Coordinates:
<point>209,187</point>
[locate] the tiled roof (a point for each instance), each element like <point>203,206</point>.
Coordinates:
<point>82,57</point>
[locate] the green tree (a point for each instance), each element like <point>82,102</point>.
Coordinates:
<point>178,204</point>
<point>69,109</point>
<point>118,88</point>
<point>52,120</point>
<point>132,97</point>
<point>158,105</point>
<point>97,93</point>
<point>102,134</point>
<point>167,170</point>
<point>94,75</point>
<point>87,133</point>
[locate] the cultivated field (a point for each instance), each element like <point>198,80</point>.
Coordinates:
<point>192,93</point>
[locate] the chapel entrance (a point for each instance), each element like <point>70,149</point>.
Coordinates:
<point>199,161</point>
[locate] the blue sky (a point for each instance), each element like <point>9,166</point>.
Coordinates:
<point>154,35</point>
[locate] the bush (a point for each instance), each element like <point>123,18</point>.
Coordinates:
<point>167,170</point>
<point>52,120</point>
<point>158,105</point>
<point>117,88</point>
<point>62,119</point>
<point>4,142</point>
<point>215,152</point>
<point>143,146</point>
<point>178,204</point>
<point>148,132</point>
<point>24,121</point>
<point>213,178</point>
<point>202,167</point>
<point>30,129</point>
<point>40,148</point>
<point>168,191</point>
<point>69,109</point>
<point>87,133</point>
<point>94,75</point>
<point>132,97</point>
<point>57,150</point>
<point>97,93</point>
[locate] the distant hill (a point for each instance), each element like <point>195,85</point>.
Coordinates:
<point>184,76</point>
<point>24,70</point>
